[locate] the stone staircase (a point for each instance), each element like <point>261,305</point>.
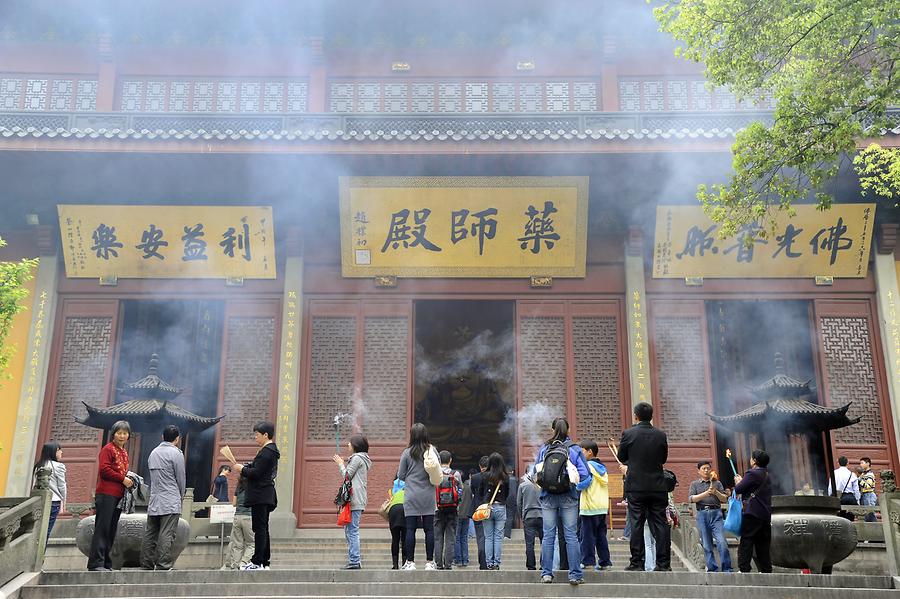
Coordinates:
<point>308,565</point>
<point>331,553</point>
<point>201,584</point>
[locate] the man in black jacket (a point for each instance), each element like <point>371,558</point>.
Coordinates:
<point>644,449</point>
<point>260,497</point>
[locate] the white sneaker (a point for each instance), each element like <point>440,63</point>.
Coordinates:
<point>410,566</point>
<point>430,566</point>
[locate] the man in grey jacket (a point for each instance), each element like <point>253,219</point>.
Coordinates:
<point>167,485</point>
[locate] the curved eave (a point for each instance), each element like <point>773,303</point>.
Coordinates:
<point>208,143</point>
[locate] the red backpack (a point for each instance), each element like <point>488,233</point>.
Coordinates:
<point>447,493</point>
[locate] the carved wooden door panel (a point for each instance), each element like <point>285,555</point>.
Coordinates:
<point>851,362</point>
<point>247,377</point>
<point>358,361</point>
<point>570,363</point>
<point>682,389</point>
<point>81,370</point>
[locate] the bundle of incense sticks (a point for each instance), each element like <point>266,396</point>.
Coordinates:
<point>226,451</point>
<point>614,449</point>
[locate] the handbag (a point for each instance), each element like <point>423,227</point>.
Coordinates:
<point>483,512</point>
<point>432,464</point>
<point>734,516</point>
<point>344,516</point>
<point>345,492</point>
<point>385,509</point>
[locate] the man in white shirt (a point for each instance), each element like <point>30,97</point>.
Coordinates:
<point>846,482</point>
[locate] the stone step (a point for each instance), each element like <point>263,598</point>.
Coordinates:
<point>381,584</point>
<point>136,576</point>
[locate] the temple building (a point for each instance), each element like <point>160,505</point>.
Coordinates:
<point>356,216</point>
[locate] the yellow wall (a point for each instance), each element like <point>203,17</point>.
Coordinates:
<point>10,388</point>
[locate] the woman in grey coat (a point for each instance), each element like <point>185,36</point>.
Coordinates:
<point>357,470</point>
<point>419,503</point>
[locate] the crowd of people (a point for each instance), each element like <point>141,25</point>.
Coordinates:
<point>563,501</point>
<point>118,488</point>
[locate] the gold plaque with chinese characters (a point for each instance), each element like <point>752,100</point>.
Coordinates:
<point>814,243</point>
<point>168,242</point>
<point>464,226</point>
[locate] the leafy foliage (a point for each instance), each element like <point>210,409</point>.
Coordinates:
<point>831,68</point>
<point>13,276</point>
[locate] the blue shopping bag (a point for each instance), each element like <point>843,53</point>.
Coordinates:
<point>733,517</point>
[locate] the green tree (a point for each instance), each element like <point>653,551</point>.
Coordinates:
<point>831,67</point>
<point>13,276</point>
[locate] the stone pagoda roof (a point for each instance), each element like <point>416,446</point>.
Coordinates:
<point>151,386</point>
<point>781,385</point>
<point>147,416</point>
<point>791,415</point>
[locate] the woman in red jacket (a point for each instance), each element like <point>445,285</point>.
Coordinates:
<point>111,485</point>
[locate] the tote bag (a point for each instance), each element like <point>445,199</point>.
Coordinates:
<point>432,464</point>
<point>733,518</point>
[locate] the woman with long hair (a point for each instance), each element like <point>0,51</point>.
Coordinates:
<point>51,459</point>
<point>419,503</point>
<point>112,480</point>
<point>560,508</point>
<point>357,470</point>
<point>220,484</point>
<point>496,485</point>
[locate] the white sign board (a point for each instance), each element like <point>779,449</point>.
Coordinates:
<point>221,513</point>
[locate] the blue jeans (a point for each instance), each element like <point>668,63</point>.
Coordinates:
<point>493,534</point>
<point>710,523</point>
<point>351,531</point>
<point>54,512</point>
<point>561,510</point>
<point>869,499</point>
<point>461,554</point>
<point>649,550</point>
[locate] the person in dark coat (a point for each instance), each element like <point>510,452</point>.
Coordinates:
<point>261,497</point>
<point>220,485</point>
<point>643,450</point>
<point>478,489</point>
<point>756,519</point>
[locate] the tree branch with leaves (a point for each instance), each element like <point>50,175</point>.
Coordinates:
<point>13,292</point>
<point>830,67</point>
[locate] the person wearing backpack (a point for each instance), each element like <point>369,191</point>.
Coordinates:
<point>594,507</point>
<point>397,524</point>
<point>419,505</point>
<point>643,450</point>
<point>447,495</point>
<point>562,472</point>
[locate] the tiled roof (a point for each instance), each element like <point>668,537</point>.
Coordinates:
<point>792,414</point>
<point>152,412</point>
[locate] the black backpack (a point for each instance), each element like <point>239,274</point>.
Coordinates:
<point>554,476</point>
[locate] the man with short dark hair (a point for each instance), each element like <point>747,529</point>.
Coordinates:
<point>447,495</point>
<point>643,450</point>
<point>261,497</point>
<point>708,495</point>
<point>167,486</point>
<point>866,482</point>
<point>846,483</point>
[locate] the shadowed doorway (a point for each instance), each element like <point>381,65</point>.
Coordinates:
<point>465,377</point>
